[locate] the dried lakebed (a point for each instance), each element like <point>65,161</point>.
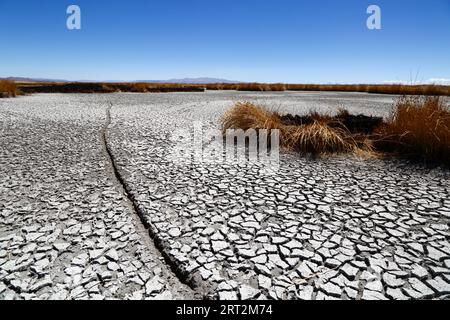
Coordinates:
<point>329,228</point>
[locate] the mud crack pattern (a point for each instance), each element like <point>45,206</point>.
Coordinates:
<point>334,228</point>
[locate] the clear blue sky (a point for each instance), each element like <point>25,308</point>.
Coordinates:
<point>248,40</point>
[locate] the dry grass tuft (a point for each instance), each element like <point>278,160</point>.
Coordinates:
<point>418,127</point>
<point>318,138</point>
<point>245,115</point>
<point>7,89</point>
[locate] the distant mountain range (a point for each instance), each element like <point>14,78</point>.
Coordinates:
<point>184,80</point>
<point>23,79</point>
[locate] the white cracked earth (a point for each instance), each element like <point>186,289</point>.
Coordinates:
<point>93,207</point>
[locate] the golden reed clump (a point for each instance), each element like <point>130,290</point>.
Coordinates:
<point>418,127</point>
<point>8,89</point>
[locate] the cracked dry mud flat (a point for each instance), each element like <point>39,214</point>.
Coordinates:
<point>333,228</point>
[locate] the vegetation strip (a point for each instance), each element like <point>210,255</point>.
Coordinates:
<point>11,89</point>
<point>418,128</point>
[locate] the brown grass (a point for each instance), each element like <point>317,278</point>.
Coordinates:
<point>401,89</point>
<point>318,137</point>
<point>8,89</point>
<point>260,87</point>
<point>82,87</point>
<point>97,87</point>
<point>245,115</point>
<point>418,127</point>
